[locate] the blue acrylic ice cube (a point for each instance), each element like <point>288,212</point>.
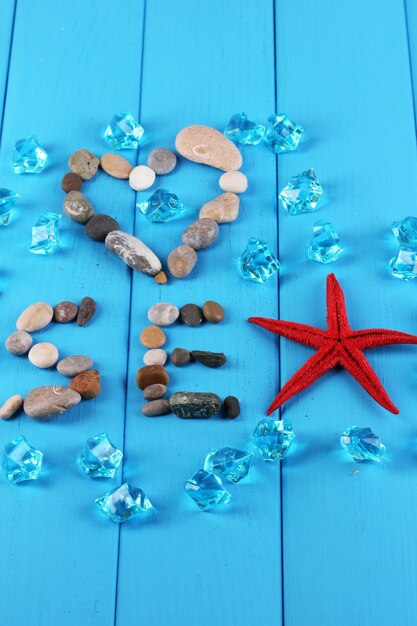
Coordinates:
<point>21,461</point>
<point>257,262</point>
<point>362,444</point>
<point>124,502</point>
<point>206,489</point>
<point>229,463</point>
<point>282,135</point>
<point>45,234</point>
<point>100,458</point>
<point>404,265</point>
<point>273,438</point>
<point>161,206</point>
<point>302,193</point>
<point>123,132</point>
<point>243,130</point>
<point>325,245</point>
<point>29,157</point>
<point>7,200</point>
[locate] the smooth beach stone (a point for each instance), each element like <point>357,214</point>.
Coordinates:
<point>193,404</point>
<point>77,207</point>
<point>133,252</point>
<point>18,343</point>
<point>191,314</point>
<point>213,312</point>
<point>43,355</point>
<point>151,375</point>
<point>156,407</point>
<point>181,261</point>
<point>180,357</point>
<point>141,177</point>
<point>84,163</point>
<point>155,392</point>
<point>155,356</point>
<point>44,403</point>
<point>99,226</point>
<point>235,182</point>
<point>65,312</point>
<point>223,209</point>
<point>152,337</point>
<point>163,314</point>
<point>35,317</point>
<point>231,407</point>
<point>162,160</point>
<point>87,384</point>
<point>11,406</point>
<point>115,165</point>
<point>209,359</point>
<point>86,311</point>
<point>203,144</point>
<point>71,182</point>
<point>73,365</point>
<point>201,234</point>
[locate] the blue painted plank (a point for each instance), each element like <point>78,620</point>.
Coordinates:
<point>183,566</point>
<point>7,11</point>
<point>349,539</point>
<point>410,7</point>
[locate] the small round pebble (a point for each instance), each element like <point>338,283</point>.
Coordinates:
<point>235,182</point>
<point>151,375</point>
<point>156,407</point>
<point>161,278</point>
<point>87,384</point>
<point>213,312</point>
<point>162,161</point>
<point>152,337</point>
<point>11,407</point>
<point>201,234</point>
<point>115,165</point>
<point>73,365</point>
<point>35,317</point>
<point>84,163</point>
<point>141,177</point>
<point>86,311</point>
<point>77,207</point>
<point>156,356</point>
<point>231,407</point>
<point>43,355</point>
<point>163,314</point>
<point>71,182</point>
<point>19,343</point>
<point>99,226</point>
<point>154,392</point>
<point>181,261</point>
<point>191,314</point>
<point>180,357</point>
<point>65,312</point>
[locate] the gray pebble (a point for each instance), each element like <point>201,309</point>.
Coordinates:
<point>162,160</point>
<point>73,365</point>
<point>191,314</point>
<point>77,207</point>
<point>180,357</point>
<point>155,392</point>
<point>181,261</point>
<point>133,252</point>
<point>99,226</point>
<point>156,407</point>
<point>65,312</point>
<point>84,163</point>
<point>190,404</point>
<point>209,359</point>
<point>44,403</point>
<point>201,234</point>
<point>231,407</point>
<point>19,343</point>
<point>163,314</point>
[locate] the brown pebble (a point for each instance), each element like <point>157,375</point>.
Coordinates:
<point>181,261</point>
<point>161,278</point>
<point>191,314</point>
<point>71,182</point>
<point>86,311</point>
<point>155,392</point>
<point>213,312</point>
<point>11,407</point>
<point>115,165</point>
<point>152,337</point>
<point>87,384</point>
<point>231,407</point>
<point>180,356</point>
<point>151,375</point>
<point>156,407</point>
<point>84,163</point>
<point>65,312</point>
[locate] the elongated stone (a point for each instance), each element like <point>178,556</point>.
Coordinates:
<point>115,165</point>
<point>223,209</point>
<point>77,207</point>
<point>203,144</point>
<point>73,365</point>
<point>11,407</point>
<point>201,234</point>
<point>163,314</point>
<point>133,252</point>
<point>44,403</point>
<point>86,311</point>
<point>209,359</point>
<point>35,317</point>
<point>155,391</point>
<point>156,407</point>
<point>193,404</point>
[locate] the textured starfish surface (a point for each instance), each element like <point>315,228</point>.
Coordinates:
<point>338,345</point>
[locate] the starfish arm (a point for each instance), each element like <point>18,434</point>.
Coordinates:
<point>375,337</point>
<point>317,365</point>
<point>359,367</point>
<point>301,333</point>
<point>337,320</point>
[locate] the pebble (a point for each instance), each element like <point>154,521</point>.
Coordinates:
<point>154,392</point>
<point>223,209</point>
<point>152,337</point>
<point>77,207</point>
<point>201,234</point>
<point>162,160</point>
<point>35,317</point>
<point>141,177</point>
<point>73,365</point>
<point>44,403</point>
<point>133,252</point>
<point>231,407</point>
<point>43,355</point>
<point>99,226</point>
<point>156,407</point>
<point>86,311</point>
<point>85,164</point>
<point>181,261</point>
<point>115,165</point>
<point>71,182</point>
<point>163,314</point>
<point>203,144</point>
<point>161,278</point>
<point>18,343</point>
<point>180,356</point>
<point>65,312</point>
<point>151,375</point>
<point>191,314</point>
<point>11,406</point>
<point>87,384</point>
<point>156,356</point>
<point>235,182</point>
<point>192,404</point>
<point>209,359</point>
<point>213,312</point>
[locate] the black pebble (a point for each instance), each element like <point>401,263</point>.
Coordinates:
<point>209,359</point>
<point>191,314</point>
<point>99,226</point>
<point>231,407</point>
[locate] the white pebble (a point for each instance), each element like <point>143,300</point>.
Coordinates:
<point>236,182</point>
<point>43,355</point>
<point>141,177</point>
<point>155,357</point>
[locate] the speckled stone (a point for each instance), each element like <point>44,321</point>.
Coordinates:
<point>11,407</point>
<point>18,343</point>
<point>86,311</point>
<point>133,252</point>
<point>155,356</point>
<point>180,357</point>
<point>156,407</point>
<point>87,384</point>
<point>223,209</point>
<point>71,182</point>
<point>43,355</point>
<point>231,407</point>
<point>155,392</point>
<point>116,165</point>
<point>152,337</point>
<point>151,375</point>
<point>162,161</point>
<point>99,226</point>
<point>35,317</point>
<point>84,163</point>
<point>77,207</point>
<point>192,404</point>
<point>209,359</point>
<point>181,261</point>
<point>44,403</point>
<point>203,144</point>
<point>163,314</point>
<point>65,312</point>
<point>213,312</point>
<point>236,182</point>
<point>201,234</point>
<point>191,315</point>
<point>73,365</point>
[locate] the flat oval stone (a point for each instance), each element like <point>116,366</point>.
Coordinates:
<point>11,407</point>
<point>133,252</point>
<point>99,226</point>
<point>115,165</point>
<point>209,359</point>
<point>154,392</point>
<point>65,312</point>
<point>77,207</point>
<point>181,261</point>
<point>163,314</point>
<point>193,404</point>
<point>152,337</point>
<point>85,164</point>
<point>151,375</point>
<point>231,407</point>
<point>71,182</point>
<point>191,314</point>
<point>156,407</point>
<point>213,312</point>
<point>18,343</point>
<point>180,357</point>
<point>223,209</point>
<point>201,234</point>
<point>86,311</point>
<point>44,403</point>
<point>141,177</point>
<point>203,144</point>
<point>35,317</point>
<point>87,384</point>
<point>155,356</point>
<point>43,355</point>
<point>73,365</point>
<point>235,182</point>
<point>162,160</point>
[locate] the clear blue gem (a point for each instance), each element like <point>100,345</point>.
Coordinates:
<point>206,489</point>
<point>124,502</point>
<point>272,438</point>
<point>7,200</point>
<point>100,458</point>
<point>21,461</point>
<point>45,234</point>
<point>302,193</point>
<point>161,206</point>
<point>325,246</point>
<point>282,135</point>
<point>229,463</point>
<point>405,231</point>
<point>29,157</point>
<point>123,132</point>
<point>404,265</point>
<point>362,444</point>
<point>243,130</point>
<point>257,262</point>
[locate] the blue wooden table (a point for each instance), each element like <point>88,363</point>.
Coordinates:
<point>304,543</point>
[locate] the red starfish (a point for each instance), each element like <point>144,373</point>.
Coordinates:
<point>338,345</point>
